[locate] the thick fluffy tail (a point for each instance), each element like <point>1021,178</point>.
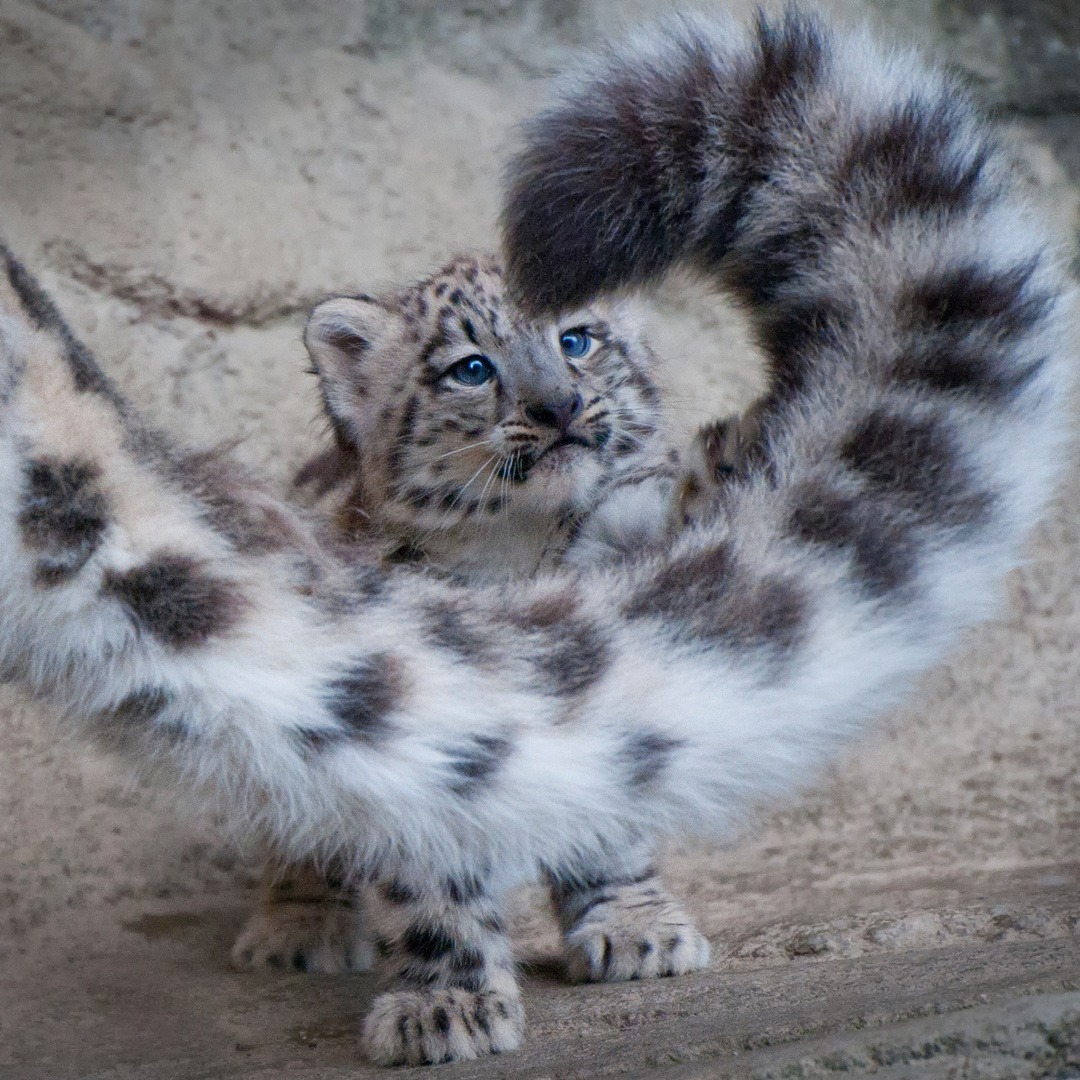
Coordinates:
<point>912,306</point>
<point>851,199</point>
<point>914,310</point>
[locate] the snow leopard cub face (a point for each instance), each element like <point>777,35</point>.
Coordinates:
<point>468,433</point>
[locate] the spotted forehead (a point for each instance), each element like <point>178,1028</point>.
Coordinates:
<point>463,283</point>
<point>462,300</point>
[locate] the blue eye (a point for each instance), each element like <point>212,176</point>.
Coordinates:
<point>472,371</point>
<point>575,343</point>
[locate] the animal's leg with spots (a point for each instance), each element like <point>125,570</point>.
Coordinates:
<point>452,990</point>
<point>624,925</point>
<point>308,919</point>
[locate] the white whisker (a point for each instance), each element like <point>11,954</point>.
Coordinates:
<point>494,457</point>
<point>462,449</point>
<point>504,488</point>
<point>487,483</point>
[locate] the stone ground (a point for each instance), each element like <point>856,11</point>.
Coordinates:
<point>187,178</point>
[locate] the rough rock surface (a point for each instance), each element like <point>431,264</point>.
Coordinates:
<point>187,178</point>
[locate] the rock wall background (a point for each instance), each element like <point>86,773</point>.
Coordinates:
<point>187,177</point>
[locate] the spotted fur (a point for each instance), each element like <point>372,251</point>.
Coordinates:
<point>915,310</point>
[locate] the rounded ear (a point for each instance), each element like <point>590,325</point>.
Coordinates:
<point>339,335</point>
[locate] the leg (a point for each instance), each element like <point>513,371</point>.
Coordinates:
<point>454,993</point>
<point>307,920</point>
<point>722,451</point>
<point>624,925</point>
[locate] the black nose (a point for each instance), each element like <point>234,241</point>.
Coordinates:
<point>559,414</point>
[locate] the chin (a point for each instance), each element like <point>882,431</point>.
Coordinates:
<point>566,482</point>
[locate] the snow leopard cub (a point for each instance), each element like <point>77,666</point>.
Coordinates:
<point>469,439</point>
<point>474,440</point>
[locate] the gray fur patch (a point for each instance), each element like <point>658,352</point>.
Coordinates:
<point>135,725</point>
<point>474,763</point>
<point>397,892</point>
<point>708,594</point>
<point>647,754</point>
<point>251,525</point>
<point>427,943</point>
<point>335,465</point>
<point>547,612</point>
<point>466,961</point>
<point>759,273</point>
<point>175,601</point>
<point>85,373</point>
<point>138,710</point>
<point>882,546</point>
<point>448,626</point>
<point>794,334</point>
<point>319,740</point>
<point>955,324</point>
<point>464,890</point>
<point>364,698</point>
<point>63,517</point>
<point>430,951</point>
<point>910,160</point>
<point>577,655</point>
<point>915,461</point>
<point>406,429</point>
<point>976,295</point>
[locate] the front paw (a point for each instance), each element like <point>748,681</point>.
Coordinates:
<point>426,1027</point>
<point>633,935</point>
<point>327,938</point>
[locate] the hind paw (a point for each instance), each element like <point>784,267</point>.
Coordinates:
<point>325,938</point>
<point>636,932</point>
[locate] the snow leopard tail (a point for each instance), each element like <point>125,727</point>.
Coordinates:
<point>913,307</point>
<point>853,202</point>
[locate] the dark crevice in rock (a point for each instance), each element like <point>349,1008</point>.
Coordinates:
<point>156,297</point>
